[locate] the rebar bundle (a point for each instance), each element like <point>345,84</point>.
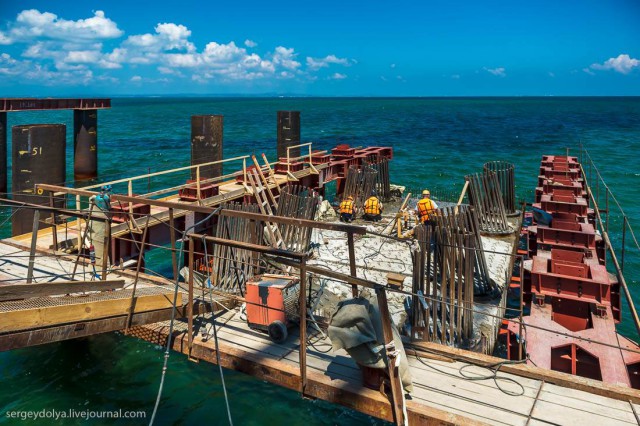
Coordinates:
<point>296,201</point>
<point>229,268</point>
<point>444,278</point>
<point>506,179</point>
<point>382,184</point>
<point>463,219</point>
<point>360,184</point>
<point>485,196</point>
<point>438,194</point>
<point>449,270</point>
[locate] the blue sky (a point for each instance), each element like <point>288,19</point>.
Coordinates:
<point>329,48</point>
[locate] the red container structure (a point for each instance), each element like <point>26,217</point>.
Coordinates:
<point>120,212</point>
<point>272,304</point>
<point>190,192</point>
<point>573,301</point>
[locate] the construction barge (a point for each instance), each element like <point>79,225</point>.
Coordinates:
<point>264,276</point>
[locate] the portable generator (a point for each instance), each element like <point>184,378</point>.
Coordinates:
<point>272,304</point>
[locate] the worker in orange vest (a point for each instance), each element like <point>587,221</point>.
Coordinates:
<point>426,207</point>
<point>372,209</point>
<point>347,209</point>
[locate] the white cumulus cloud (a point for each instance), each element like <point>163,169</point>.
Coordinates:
<point>82,56</point>
<point>32,23</point>
<point>53,49</point>
<point>317,63</point>
<point>285,57</point>
<point>623,64</point>
<point>498,72</point>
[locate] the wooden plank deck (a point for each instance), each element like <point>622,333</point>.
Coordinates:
<point>30,320</point>
<point>440,394</point>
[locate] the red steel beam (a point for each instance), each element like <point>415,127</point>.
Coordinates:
<point>31,104</point>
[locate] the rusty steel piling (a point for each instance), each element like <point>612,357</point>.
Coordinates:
<point>38,153</point>
<point>288,133</point>
<point>3,152</point>
<point>85,144</point>
<point>206,145</point>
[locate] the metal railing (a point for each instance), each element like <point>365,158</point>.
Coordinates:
<point>591,174</point>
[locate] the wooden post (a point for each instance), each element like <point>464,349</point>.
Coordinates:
<point>464,191</point>
<point>303,326</point>
<point>198,197</point>
<point>190,301</point>
<point>172,235</point>
<point>130,193</point>
<point>352,262</point>
<point>392,355</point>
<point>34,239</point>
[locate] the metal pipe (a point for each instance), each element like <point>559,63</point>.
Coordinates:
<point>34,239</point>
<point>172,236</point>
<point>135,281</point>
<point>107,248</point>
<point>164,172</point>
<point>624,234</point>
<point>190,301</point>
<point>521,305</point>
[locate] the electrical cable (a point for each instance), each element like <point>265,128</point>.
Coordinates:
<point>173,316</point>
<point>493,368</point>
<point>215,338</point>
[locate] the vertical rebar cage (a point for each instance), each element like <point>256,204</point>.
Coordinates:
<point>505,173</point>
<point>485,197</point>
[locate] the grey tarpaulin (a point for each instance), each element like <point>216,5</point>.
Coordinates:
<point>356,328</point>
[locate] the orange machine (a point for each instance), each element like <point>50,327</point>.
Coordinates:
<point>272,304</point>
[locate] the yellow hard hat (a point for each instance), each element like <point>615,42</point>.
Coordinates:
<point>426,192</point>
<point>350,197</point>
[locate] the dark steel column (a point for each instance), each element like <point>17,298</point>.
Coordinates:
<point>85,144</point>
<point>38,156</point>
<point>206,144</point>
<point>288,133</point>
<point>3,152</point>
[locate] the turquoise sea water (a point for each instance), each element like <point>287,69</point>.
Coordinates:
<point>436,142</point>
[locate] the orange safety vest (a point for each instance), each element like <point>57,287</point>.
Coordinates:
<point>372,206</point>
<point>346,206</point>
<point>425,206</point>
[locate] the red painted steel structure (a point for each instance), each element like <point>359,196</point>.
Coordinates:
<point>336,163</point>
<point>574,302</point>
<point>31,104</point>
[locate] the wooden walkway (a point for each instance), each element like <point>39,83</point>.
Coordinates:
<point>32,314</point>
<point>440,394</point>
